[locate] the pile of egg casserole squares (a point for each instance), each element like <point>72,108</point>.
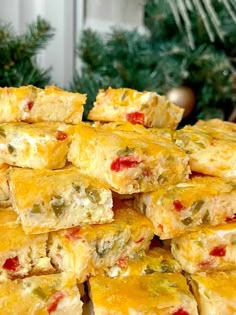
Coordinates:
<point>122,214</point>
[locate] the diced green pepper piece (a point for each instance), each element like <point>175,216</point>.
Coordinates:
<point>58,205</point>
<point>196,206</point>
<point>36,208</point>
<point>93,195</point>
<point>11,149</point>
<point>39,291</point>
<point>76,187</point>
<point>125,152</point>
<point>161,179</point>
<point>123,96</point>
<point>206,218</point>
<point>148,270</point>
<point>2,132</point>
<point>187,221</point>
<point>165,266</point>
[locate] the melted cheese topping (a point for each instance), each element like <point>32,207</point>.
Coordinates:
<point>37,293</point>
<point>116,104</point>
<point>181,207</point>
<point>151,294</point>
<point>91,249</point>
<point>215,292</point>
<point>31,104</point>
<point>206,249</point>
<point>49,200</point>
<point>153,163</point>
<point>212,150</point>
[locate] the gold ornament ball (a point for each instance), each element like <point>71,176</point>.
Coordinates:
<point>183,97</point>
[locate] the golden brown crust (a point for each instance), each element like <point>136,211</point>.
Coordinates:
<point>90,249</point>
<point>148,294</point>
<point>47,294</point>
<point>211,149</point>
<point>131,162</point>
<point>145,108</point>
<point>206,249</point>
<point>177,209</point>
<point>41,145</point>
<point>49,200</point>
<point>215,292</point>
<point>31,105</point>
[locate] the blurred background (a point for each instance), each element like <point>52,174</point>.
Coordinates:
<point>185,49</point>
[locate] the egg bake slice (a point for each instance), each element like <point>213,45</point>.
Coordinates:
<point>211,150</point>
<point>206,249</point>
<point>20,254</point>
<point>127,162</point>
<point>156,293</point>
<point>179,208</point>
<point>146,108</point>
<point>31,104</point>
<point>91,249</point>
<point>40,145</point>
<point>215,292</point>
<point>55,294</point>
<point>49,200</point>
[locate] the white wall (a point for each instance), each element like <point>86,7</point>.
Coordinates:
<point>69,17</point>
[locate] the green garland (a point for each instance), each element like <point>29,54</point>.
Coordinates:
<point>161,60</point>
<point>18,64</point>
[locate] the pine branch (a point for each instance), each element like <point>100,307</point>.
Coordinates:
<point>36,38</point>
<point>164,60</point>
<point>91,49</point>
<point>17,54</point>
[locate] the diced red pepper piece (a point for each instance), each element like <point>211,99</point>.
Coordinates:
<point>178,205</point>
<point>218,251</point>
<point>73,234</point>
<point>140,240</point>
<point>122,262</point>
<point>11,264</point>
<point>231,219</point>
<point>181,311</point>
<point>123,162</point>
<point>206,263</point>
<point>161,227</point>
<point>135,118</point>
<point>61,135</point>
<point>30,105</point>
<point>55,300</point>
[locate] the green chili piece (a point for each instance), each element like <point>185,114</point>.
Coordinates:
<point>161,179</point>
<point>11,149</point>
<point>2,132</point>
<point>125,152</point>
<point>39,291</point>
<point>165,266</point>
<point>196,206</point>
<point>76,187</point>
<point>93,195</point>
<point>148,270</point>
<point>101,251</point>
<point>206,218</point>
<point>123,96</point>
<point>36,208</point>
<point>58,205</point>
<point>187,221</point>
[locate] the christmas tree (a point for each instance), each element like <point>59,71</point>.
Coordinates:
<point>18,64</point>
<point>195,63</point>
